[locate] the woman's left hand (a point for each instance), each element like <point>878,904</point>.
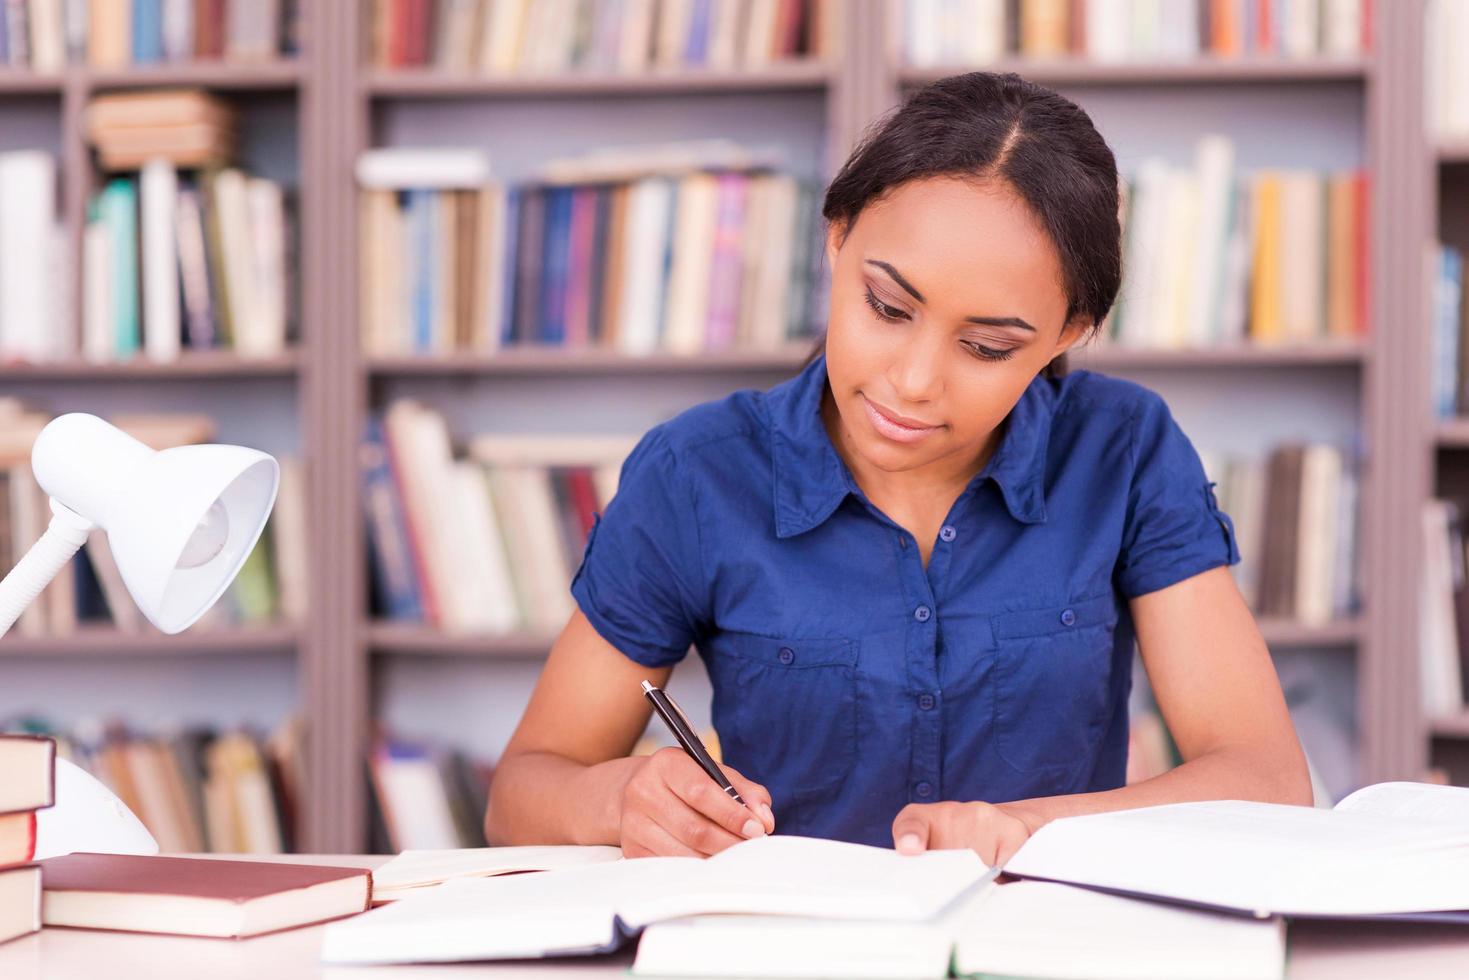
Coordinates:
<point>993,831</point>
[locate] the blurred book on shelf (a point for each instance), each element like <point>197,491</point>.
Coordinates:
<point>188,260</point>
<point>34,308</point>
<point>1296,522</point>
<point>1446,70</point>
<point>185,127</point>
<point>676,258</point>
<point>270,587</point>
<point>975,32</point>
<point>486,543</point>
<point>504,37</point>
<point>424,798</point>
<point>1443,612</point>
<point>1216,257</point>
<point>1449,374</point>
<point>196,789</point>
<point>46,35</point>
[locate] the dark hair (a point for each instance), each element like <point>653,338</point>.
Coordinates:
<point>989,126</point>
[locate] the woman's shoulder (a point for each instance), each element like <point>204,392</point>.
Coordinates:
<point>730,425</point>
<point>1086,398</point>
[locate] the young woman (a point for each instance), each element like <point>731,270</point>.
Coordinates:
<point>916,571</point>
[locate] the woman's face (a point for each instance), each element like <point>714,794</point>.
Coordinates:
<point>946,301</point>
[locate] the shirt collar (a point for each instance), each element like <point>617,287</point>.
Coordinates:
<point>811,480</point>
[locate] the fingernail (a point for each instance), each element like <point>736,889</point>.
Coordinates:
<point>909,844</point>
<point>752,829</point>
<point>766,815</point>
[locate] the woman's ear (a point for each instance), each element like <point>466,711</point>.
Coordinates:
<point>1072,333</point>
<point>836,233</point>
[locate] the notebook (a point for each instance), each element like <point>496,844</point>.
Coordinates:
<point>195,896</point>
<point>412,872</point>
<point>1398,850</point>
<point>597,907</point>
<point>1020,929</point>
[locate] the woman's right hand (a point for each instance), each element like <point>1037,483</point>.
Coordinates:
<point>670,807</point>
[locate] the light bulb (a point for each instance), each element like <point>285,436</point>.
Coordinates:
<point>208,538</point>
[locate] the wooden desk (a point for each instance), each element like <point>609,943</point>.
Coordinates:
<point>1318,951</point>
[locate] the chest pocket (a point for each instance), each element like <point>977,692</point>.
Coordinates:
<point>786,710</point>
<point>1053,682</point>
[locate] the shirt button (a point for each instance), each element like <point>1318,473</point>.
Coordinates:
<point>1068,618</point>
<point>926,702</point>
<point>922,613</point>
<point>787,656</point>
<point>948,533</point>
<point>924,790</point>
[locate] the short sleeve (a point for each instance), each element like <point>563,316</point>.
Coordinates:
<point>640,583</point>
<point>1174,527</point>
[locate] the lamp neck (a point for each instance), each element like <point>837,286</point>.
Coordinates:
<point>64,536</point>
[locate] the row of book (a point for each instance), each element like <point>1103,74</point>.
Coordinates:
<point>500,37</point>
<point>270,587</point>
<point>27,785</point>
<point>34,293</point>
<point>1215,257</point>
<point>975,32</point>
<point>1443,626</point>
<point>194,260</point>
<point>1297,524</point>
<point>46,35</point>
<point>679,262</point>
<point>1446,81</point>
<point>486,543</point>
<point>425,798</point>
<point>1449,378</point>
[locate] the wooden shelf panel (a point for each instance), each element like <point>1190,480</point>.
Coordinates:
<point>553,360</point>
<point>1115,356</point>
<point>415,639</point>
<point>1290,634</point>
<point>1452,433</point>
<point>1453,149</point>
<point>190,365</point>
<point>1455,727</point>
<point>265,76</point>
<point>94,641</point>
<point>419,83</point>
<point>21,81</point>
<point>1078,71</point>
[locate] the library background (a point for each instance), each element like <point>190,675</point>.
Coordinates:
<point>415,249</point>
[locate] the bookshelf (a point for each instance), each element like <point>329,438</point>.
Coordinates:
<point>330,104</point>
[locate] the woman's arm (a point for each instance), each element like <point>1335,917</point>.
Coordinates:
<point>566,776</point>
<point>1217,689</point>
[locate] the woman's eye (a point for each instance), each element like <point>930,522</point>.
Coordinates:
<point>990,353</point>
<point>883,310</point>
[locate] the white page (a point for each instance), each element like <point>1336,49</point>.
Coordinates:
<point>415,869</point>
<point>1411,801</point>
<point>1259,857</point>
<point>1038,929</point>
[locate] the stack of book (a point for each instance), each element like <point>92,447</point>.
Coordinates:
<point>1214,257</point>
<point>1447,71</point>
<point>45,35</point>
<point>34,312</point>
<point>1443,629</point>
<point>675,261</point>
<point>974,32</point>
<point>1450,376</point>
<point>486,543</point>
<point>426,799</point>
<point>531,36</point>
<point>27,784</point>
<point>270,587</point>
<point>197,261</point>
<point>1295,518</point>
<point>199,789</point>
<point>187,128</point>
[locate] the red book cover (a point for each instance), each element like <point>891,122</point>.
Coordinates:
<point>398,28</point>
<point>17,838</point>
<point>1265,28</point>
<point>1366,26</point>
<point>579,267</point>
<point>583,492</point>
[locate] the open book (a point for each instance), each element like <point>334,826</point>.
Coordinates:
<point>596,907</point>
<point>412,872</point>
<point>1021,929</point>
<point>1394,849</point>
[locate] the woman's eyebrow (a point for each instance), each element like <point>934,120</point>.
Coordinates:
<point>987,321</point>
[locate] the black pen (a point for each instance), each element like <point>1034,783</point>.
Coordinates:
<point>679,725</point>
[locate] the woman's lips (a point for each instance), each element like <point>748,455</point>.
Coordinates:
<point>897,427</point>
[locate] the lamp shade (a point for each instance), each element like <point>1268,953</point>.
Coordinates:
<point>180,522</point>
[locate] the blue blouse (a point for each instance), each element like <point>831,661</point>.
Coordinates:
<point>849,679</point>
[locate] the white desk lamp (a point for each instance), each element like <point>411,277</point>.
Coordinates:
<point>179,522</point>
